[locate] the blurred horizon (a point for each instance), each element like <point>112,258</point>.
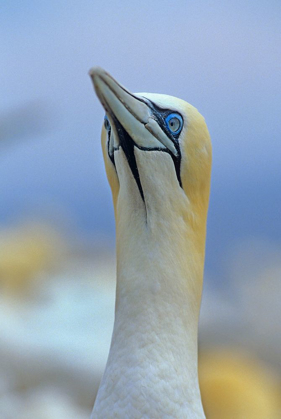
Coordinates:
<point>223,58</point>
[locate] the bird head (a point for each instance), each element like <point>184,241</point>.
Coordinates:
<point>157,148</point>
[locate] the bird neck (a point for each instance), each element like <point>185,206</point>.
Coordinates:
<point>152,365</point>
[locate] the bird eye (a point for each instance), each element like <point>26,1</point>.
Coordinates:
<point>107,125</point>
<point>174,123</point>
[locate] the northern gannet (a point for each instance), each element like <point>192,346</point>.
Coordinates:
<point>157,154</point>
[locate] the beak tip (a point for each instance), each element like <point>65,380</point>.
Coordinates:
<point>96,72</point>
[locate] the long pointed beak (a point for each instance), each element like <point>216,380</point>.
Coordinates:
<point>109,90</point>
<point>132,112</point>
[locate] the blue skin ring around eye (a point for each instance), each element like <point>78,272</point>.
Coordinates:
<point>178,117</point>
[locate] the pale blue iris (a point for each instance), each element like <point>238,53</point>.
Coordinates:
<point>174,123</point>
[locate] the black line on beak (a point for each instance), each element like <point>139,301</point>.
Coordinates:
<point>160,114</point>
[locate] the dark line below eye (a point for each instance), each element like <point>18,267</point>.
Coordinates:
<point>160,114</point>
<point>177,163</point>
<point>127,143</point>
<point>176,159</point>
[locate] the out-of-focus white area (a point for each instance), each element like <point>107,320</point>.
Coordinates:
<point>56,321</point>
<point>56,324</point>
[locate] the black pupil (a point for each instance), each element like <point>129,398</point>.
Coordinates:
<point>173,123</point>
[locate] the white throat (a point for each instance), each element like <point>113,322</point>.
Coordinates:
<point>152,366</point>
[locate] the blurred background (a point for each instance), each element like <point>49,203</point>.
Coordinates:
<point>57,263</point>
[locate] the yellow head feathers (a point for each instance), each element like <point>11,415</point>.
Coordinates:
<point>164,142</point>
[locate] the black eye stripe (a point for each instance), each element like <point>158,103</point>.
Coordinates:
<point>160,115</point>
<point>127,143</point>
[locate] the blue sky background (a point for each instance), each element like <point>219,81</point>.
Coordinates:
<point>223,57</point>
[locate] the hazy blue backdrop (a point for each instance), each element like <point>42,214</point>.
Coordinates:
<point>223,57</point>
